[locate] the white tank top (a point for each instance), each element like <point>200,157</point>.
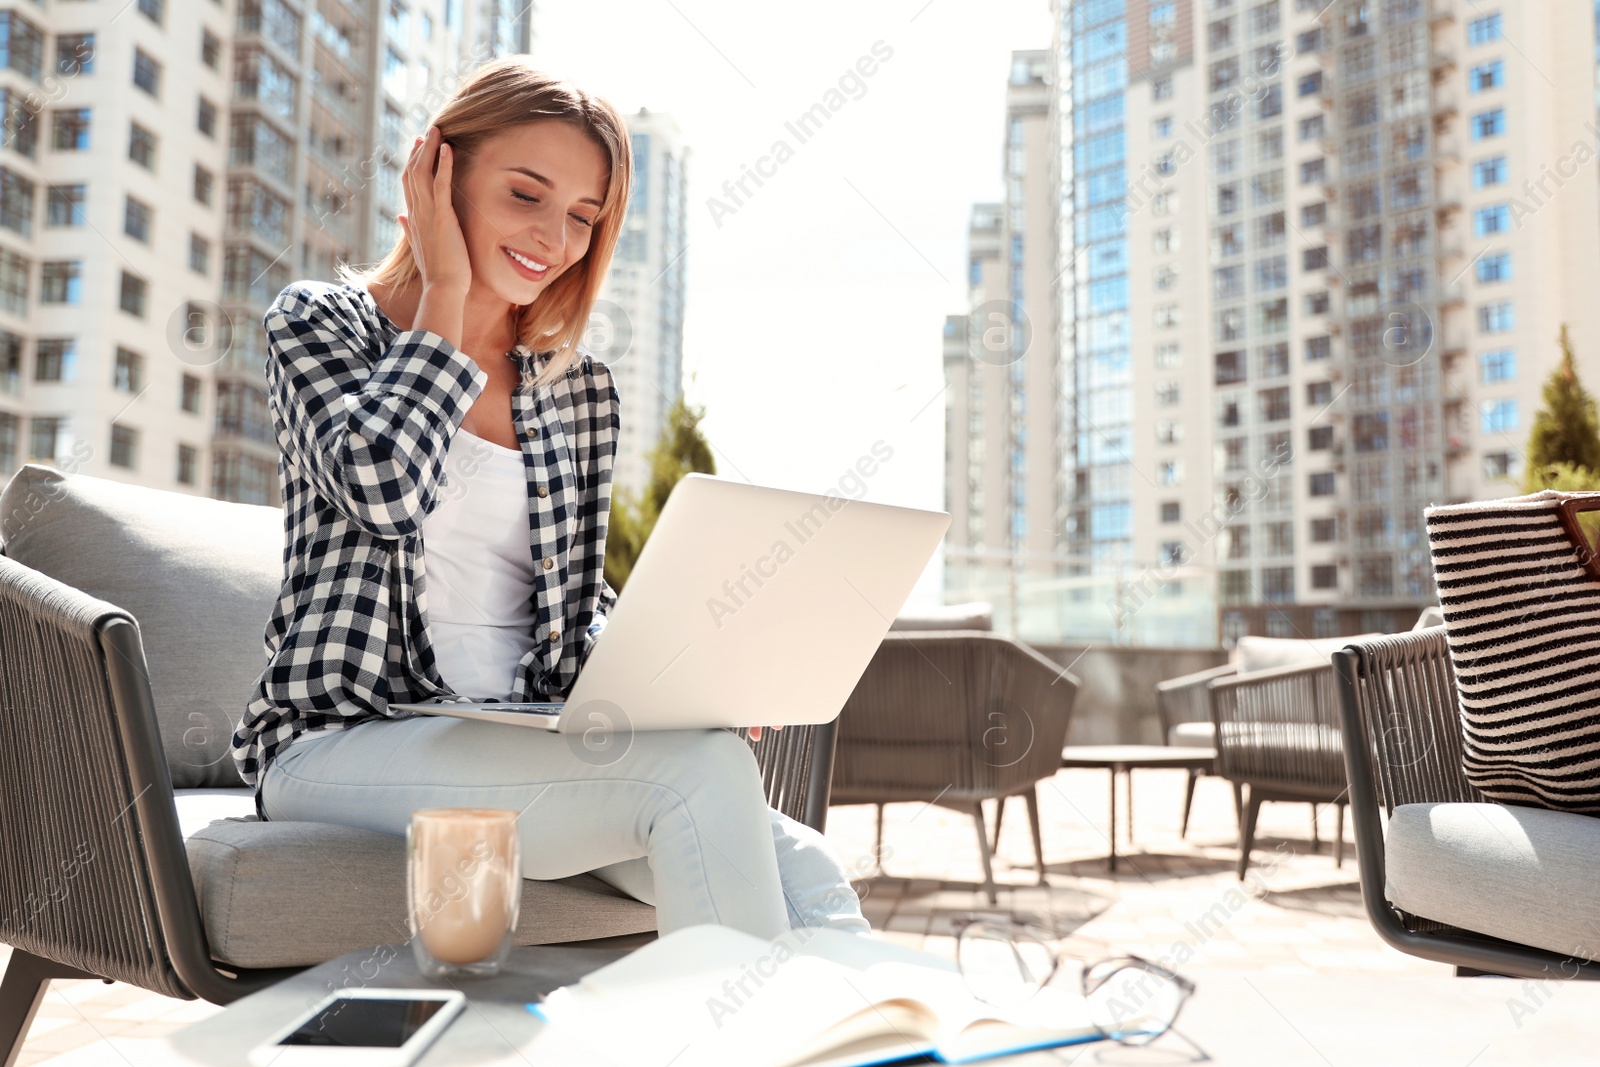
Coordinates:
<point>478,568</point>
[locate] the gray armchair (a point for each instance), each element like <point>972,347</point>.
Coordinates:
<point>1278,738</point>
<point>1485,887</point>
<point>954,718</point>
<point>129,848</point>
<point>1184,704</point>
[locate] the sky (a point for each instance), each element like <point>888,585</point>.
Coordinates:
<point>816,304</point>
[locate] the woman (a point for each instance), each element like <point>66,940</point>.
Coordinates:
<point>446,470</point>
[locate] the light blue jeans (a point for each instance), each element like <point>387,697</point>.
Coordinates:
<point>679,819</point>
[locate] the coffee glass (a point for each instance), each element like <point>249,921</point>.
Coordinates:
<point>463,888</point>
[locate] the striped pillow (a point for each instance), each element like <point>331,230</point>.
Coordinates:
<point>1522,622</point>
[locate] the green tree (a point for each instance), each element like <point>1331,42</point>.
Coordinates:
<point>681,450</point>
<point>1564,444</point>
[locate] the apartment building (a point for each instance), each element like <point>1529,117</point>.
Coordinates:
<point>1313,262</point>
<point>636,327</point>
<point>1002,414</point>
<point>167,169</point>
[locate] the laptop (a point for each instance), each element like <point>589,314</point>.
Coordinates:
<point>748,606</point>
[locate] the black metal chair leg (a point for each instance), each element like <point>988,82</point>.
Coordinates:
<point>983,852</point>
<point>877,844</point>
<point>1238,810</point>
<point>1338,841</point>
<point>26,982</point>
<point>1188,802</point>
<point>1248,832</point>
<point>994,838</point>
<point>1316,844</point>
<point>1032,797</point>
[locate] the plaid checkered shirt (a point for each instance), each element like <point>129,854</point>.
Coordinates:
<point>363,412</point>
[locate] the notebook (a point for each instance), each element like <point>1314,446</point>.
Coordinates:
<point>812,997</point>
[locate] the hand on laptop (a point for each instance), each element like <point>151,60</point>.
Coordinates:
<point>755,731</point>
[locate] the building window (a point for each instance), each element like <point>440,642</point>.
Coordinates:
<point>1277,584</point>
<point>1169,432</point>
<point>1491,171</point>
<point>1322,483</point>
<point>1313,171</point>
<point>15,271</point>
<point>1324,531</point>
<point>146,72</point>
<point>61,281</point>
<point>1495,268</point>
<point>1274,404</point>
<point>210,49</point>
<point>55,359</point>
<point>1310,129</point>
<point>1499,365</point>
<point>1167,315</point>
<point>1271,103</point>
<point>152,10</point>
<point>136,220</point>
<point>16,202</point>
<point>1170,511</point>
<point>1318,348</point>
<point>134,292</point>
<point>10,366</point>
<point>128,372</point>
<point>1230,367</point>
<point>1325,576</point>
<point>191,389</point>
<point>1168,356</point>
<point>45,436</point>
<point>1490,75</point>
<point>1272,273</point>
<point>1497,465</point>
<point>1275,360</point>
<point>1167,394</point>
<point>1483,30</point>
<point>1165,240</point>
<point>206,119</point>
<point>21,45</point>
<point>64,205</point>
<point>124,446</point>
<point>1496,318</point>
<point>1319,438</point>
<point>1496,218</point>
<point>199,254</point>
<point>203,181</point>
<point>1491,123</point>
<point>1161,88</point>
<point>10,432</point>
<point>69,129</point>
<point>1319,394</point>
<point>1498,416</point>
<point>1161,128</point>
<point>1169,472</point>
<point>188,464</point>
<point>74,54</point>
<point>142,146</point>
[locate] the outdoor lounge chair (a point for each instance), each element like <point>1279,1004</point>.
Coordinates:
<point>954,717</point>
<point>129,848</point>
<point>1487,887</point>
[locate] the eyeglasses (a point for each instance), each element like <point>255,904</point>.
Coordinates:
<point>1131,1000</point>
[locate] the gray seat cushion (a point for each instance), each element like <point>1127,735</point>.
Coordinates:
<point>1193,735</point>
<point>290,894</point>
<point>1526,875</point>
<point>199,576</point>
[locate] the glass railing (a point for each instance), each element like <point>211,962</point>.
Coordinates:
<point>1059,599</point>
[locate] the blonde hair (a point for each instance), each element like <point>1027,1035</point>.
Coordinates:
<point>501,94</point>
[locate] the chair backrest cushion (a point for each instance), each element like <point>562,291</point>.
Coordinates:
<point>1268,653</point>
<point>976,615</point>
<point>199,575</point>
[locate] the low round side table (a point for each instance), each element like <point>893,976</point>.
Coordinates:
<point>1125,759</point>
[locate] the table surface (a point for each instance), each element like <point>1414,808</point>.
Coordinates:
<point>1134,755</point>
<point>1235,1018</point>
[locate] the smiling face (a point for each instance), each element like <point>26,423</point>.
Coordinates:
<point>534,189</point>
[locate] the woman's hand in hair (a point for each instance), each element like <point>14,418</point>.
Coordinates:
<point>432,228</point>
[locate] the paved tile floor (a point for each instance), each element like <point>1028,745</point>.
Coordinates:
<point>1172,897</point>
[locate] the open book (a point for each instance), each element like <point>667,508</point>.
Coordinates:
<point>812,997</point>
